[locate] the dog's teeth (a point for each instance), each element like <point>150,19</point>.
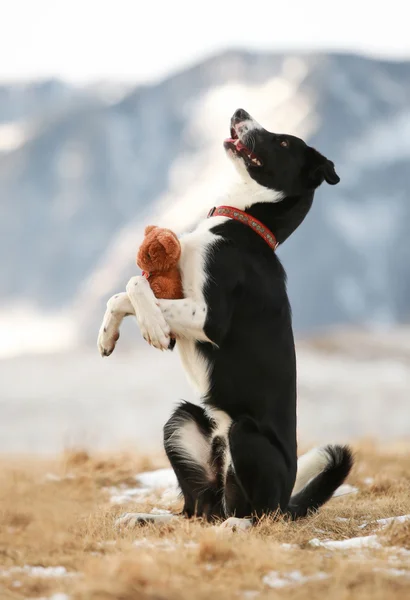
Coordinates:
<point>236,142</point>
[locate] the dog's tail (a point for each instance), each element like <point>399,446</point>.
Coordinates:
<point>320,472</point>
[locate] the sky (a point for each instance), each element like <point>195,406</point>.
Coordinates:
<point>143,40</point>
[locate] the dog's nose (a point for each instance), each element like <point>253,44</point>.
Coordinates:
<point>240,115</point>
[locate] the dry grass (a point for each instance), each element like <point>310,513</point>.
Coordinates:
<point>68,520</point>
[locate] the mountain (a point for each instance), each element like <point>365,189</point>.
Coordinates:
<point>87,170</point>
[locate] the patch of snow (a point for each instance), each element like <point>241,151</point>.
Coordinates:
<point>249,594</point>
<point>38,571</point>
<point>123,495</point>
<point>289,546</point>
<point>161,478</point>
<point>58,596</point>
<point>152,482</point>
<point>388,520</point>
<point>274,579</point>
<point>345,489</point>
<point>369,541</point>
<point>394,572</point>
<point>191,544</point>
<point>396,555</point>
<point>368,480</point>
<point>385,522</point>
<point>165,545</point>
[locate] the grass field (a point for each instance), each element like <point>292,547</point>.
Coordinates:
<point>58,538</point>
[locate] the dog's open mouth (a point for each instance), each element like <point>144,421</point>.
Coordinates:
<point>234,144</point>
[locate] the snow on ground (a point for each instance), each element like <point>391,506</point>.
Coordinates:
<point>279,580</point>
<point>388,521</point>
<point>39,572</point>
<point>58,596</point>
<point>35,571</point>
<point>394,572</point>
<point>345,489</point>
<point>369,541</point>
<point>160,478</point>
<point>161,484</point>
<point>161,544</point>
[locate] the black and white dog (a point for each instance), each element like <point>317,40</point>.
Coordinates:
<point>235,457</point>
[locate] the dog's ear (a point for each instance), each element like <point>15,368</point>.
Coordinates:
<point>329,172</point>
<point>149,228</point>
<point>321,169</point>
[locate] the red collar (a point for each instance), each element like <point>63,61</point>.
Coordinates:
<point>247,219</point>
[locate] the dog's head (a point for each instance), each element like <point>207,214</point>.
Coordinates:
<point>279,162</point>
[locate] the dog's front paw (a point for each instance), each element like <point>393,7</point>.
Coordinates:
<point>153,326</point>
<point>118,307</point>
<point>106,341</point>
<point>109,331</point>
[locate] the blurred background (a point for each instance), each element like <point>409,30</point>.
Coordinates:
<point>112,116</point>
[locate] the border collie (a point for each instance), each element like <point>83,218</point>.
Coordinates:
<point>235,457</point>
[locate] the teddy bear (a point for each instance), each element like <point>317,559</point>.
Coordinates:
<point>158,258</point>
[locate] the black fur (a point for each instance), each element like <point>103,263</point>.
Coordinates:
<point>252,357</point>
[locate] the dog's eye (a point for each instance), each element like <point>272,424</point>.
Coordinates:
<point>284,143</point>
<point>148,256</point>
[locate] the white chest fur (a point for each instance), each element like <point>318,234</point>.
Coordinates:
<point>195,247</point>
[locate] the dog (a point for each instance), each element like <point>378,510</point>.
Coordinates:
<point>235,456</point>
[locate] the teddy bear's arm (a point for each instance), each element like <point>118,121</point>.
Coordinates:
<point>166,286</point>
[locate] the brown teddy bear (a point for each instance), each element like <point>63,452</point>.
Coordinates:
<point>158,258</point>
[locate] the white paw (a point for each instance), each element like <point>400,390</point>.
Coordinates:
<point>106,343</point>
<point>235,524</point>
<point>134,519</point>
<point>109,330</point>
<point>152,324</point>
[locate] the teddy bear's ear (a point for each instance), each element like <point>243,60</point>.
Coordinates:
<point>149,228</point>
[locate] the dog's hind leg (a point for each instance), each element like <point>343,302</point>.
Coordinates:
<point>264,480</point>
<point>195,455</point>
<point>196,459</point>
